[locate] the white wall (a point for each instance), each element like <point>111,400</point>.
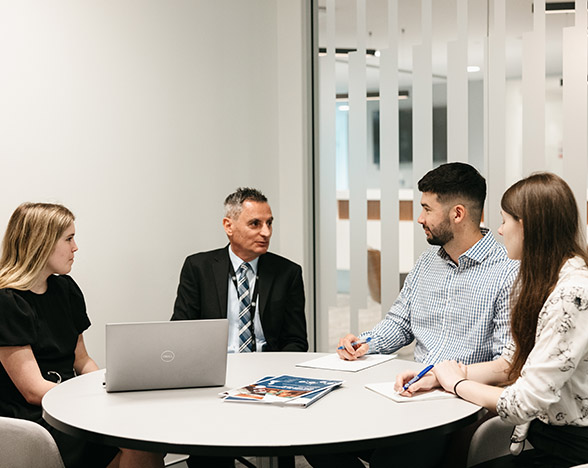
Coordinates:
<point>141,116</point>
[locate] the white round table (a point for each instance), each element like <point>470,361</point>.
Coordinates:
<point>197,421</point>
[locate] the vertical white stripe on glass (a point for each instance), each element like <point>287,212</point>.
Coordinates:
<point>422,117</point>
<point>575,102</point>
<point>327,218</point>
<point>389,165</point>
<point>457,89</point>
<point>533,89</point>
<point>357,173</point>
<point>494,103</point>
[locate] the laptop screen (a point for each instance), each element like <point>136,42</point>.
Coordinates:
<point>159,355</point>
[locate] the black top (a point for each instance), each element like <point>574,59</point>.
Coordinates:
<point>50,323</point>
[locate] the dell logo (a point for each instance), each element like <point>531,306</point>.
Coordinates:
<point>167,356</point>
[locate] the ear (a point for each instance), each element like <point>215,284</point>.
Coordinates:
<point>228,225</point>
<point>458,213</point>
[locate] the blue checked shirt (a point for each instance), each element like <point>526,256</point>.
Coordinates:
<point>453,311</point>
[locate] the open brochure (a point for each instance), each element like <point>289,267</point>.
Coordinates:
<point>283,390</point>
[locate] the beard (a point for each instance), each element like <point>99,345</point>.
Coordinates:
<point>441,235</point>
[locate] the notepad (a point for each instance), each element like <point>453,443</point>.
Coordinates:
<point>334,362</point>
<point>387,389</point>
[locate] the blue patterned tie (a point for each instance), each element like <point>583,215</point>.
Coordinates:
<point>246,343</point>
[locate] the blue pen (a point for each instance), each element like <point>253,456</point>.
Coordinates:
<point>358,343</point>
<point>417,377</point>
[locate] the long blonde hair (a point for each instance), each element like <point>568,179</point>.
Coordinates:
<point>31,235</point>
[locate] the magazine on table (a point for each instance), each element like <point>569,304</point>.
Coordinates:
<point>283,390</point>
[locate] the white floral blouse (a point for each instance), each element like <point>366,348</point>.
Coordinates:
<point>553,386</point>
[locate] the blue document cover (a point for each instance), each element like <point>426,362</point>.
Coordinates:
<point>284,390</point>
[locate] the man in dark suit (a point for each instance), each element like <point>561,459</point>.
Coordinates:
<point>261,293</point>
<point>209,281</point>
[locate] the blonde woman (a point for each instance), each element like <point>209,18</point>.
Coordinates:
<point>42,320</point>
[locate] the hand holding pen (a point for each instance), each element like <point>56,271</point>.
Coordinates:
<point>351,347</point>
<point>410,382</point>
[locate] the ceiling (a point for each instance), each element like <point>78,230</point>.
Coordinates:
<point>519,20</point>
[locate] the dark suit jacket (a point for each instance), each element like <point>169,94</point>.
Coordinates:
<point>203,294</point>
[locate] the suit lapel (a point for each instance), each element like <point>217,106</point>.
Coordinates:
<point>265,271</point>
<point>220,270</point>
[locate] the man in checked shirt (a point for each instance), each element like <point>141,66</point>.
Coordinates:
<point>455,300</point>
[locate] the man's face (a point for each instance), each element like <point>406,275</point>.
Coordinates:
<point>250,233</point>
<point>435,220</point>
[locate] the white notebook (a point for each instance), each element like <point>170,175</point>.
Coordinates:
<point>334,362</point>
<point>387,389</point>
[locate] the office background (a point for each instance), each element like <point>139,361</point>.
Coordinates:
<point>142,115</point>
<point>406,85</point>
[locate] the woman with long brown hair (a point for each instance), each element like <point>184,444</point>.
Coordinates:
<point>542,377</point>
<point>42,320</point>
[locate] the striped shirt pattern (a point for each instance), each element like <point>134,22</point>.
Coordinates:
<point>453,311</point>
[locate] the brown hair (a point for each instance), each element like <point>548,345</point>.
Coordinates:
<point>31,235</point>
<point>551,235</point>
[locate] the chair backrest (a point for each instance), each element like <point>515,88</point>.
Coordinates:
<point>25,444</point>
<point>491,440</point>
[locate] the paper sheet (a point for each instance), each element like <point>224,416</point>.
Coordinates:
<point>387,389</point>
<point>334,362</point>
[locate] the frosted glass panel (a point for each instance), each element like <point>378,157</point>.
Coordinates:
<point>422,133</point>
<point>409,98</point>
<point>357,173</point>
<point>457,89</point>
<point>327,202</point>
<point>495,103</point>
<point>534,93</point>
<point>389,165</point>
<point>575,114</point>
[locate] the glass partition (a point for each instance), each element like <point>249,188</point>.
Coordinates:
<point>406,85</point>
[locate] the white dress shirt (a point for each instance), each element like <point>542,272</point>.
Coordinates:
<point>233,306</point>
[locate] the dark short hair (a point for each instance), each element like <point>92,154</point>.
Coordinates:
<point>457,181</point>
<point>234,202</point>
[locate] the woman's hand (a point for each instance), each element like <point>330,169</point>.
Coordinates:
<point>448,373</point>
<point>425,383</point>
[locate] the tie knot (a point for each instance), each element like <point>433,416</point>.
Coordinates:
<point>243,268</point>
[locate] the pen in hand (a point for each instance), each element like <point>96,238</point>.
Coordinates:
<point>416,377</point>
<point>357,344</point>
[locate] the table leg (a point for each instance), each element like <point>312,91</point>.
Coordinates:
<point>267,462</point>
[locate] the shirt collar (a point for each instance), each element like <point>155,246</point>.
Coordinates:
<point>477,252</point>
<point>236,261</point>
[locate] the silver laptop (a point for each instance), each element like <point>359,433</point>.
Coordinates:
<point>158,355</point>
